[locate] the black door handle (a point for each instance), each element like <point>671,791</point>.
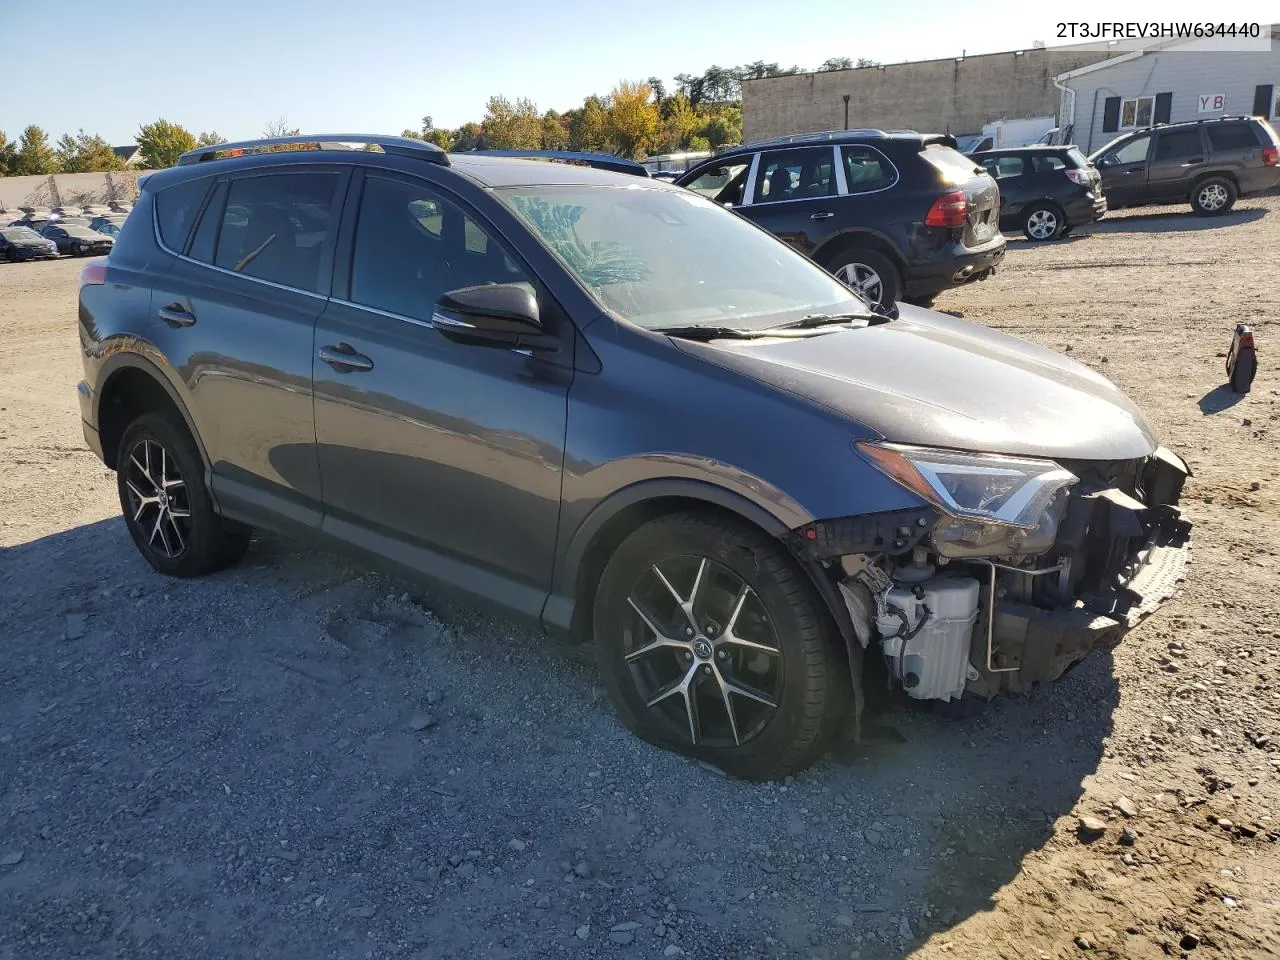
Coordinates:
<point>344,358</point>
<point>1135,170</point>
<point>177,315</point>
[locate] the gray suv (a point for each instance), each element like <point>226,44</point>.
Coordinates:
<point>1207,163</point>
<point>622,412</point>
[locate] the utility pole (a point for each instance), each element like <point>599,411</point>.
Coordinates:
<point>846,111</point>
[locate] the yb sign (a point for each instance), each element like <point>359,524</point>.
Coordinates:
<point>1212,102</point>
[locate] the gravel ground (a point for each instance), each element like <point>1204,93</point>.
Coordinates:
<point>303,758</point>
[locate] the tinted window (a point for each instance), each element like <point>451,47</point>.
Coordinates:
<point>1135,151</point>
<point>866,169</point>
<point>176,208</point>
<point>795,175</point>
<point>277,228</point>
<point>723,182</point>
<point>1178,145</point>
<point>1003,167</point>
<point>1232,136</point>
<point>203,244</point>
<point>1047,162</point>
<point>412,246</point>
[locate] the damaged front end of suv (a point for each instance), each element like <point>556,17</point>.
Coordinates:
<point>1012,569</point>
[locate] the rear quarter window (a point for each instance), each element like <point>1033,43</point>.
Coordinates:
<point>176,210</point>
<point>1232,136</point>
<point>1077,159</point>
<point>954,166</point>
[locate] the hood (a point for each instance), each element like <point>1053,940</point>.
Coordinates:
<point>933,380</point>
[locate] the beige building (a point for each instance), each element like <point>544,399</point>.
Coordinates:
<point>956,95</point>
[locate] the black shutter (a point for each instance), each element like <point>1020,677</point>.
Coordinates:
<point>1111,115</point>
<point>1262,100</point>
<point>1164,106</point>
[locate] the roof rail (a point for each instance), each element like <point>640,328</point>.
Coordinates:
<point>402,146</point>
<point>605,161</point>
<point>819,135</point>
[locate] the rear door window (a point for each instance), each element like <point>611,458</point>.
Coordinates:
<point>1002,168</point>
<point>1232,136</point>
<point>867,169</point>
<point>176,210</point>
<point>1047,162</point>
<point>1178,145</point>
<point>802,174</point>
<point>279,227</point>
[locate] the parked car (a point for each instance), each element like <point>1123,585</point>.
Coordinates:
<point>1045,192</point>
<point>897,216</point>
<point>109,224</point>
<point>481,370</point>
<point>32,222</point>
<point>1207,163</point>
<point>77,239</point>
<point>23,243</point>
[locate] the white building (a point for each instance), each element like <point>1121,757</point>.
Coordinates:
<point>1167,83</point>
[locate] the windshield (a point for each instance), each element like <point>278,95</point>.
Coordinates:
<point>666,257</point>
<point>19,233</point>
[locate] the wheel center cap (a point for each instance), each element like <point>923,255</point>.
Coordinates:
<point>702,649</point>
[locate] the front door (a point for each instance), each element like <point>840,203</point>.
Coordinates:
<point>1124,172</point>
<point>442,455</point>
<point>794,195</point>
<point>1178,155</point>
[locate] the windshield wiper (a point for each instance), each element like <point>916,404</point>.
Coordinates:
<point>709,333</point>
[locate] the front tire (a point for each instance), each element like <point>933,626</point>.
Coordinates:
<point>167,508</point>
<point>711,642</point>
<point>870,273</point>
<point>1042,222</point>
<point>1213,196</point>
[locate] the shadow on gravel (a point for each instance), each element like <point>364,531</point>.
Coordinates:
<point>306,757</point>
<point>1218,399</point>
<point>1182,222</point>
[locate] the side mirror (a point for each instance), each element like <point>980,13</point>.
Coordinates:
<point>493,315</point>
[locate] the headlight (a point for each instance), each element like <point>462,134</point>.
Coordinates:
<point>993,505</point>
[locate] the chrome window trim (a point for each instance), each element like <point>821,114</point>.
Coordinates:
<point>437,319</point>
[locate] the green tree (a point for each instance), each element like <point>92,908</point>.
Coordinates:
<point>8,155</point>
<point>210,139</point>
<point>589,127</point>
<point>679,123</point>
<point>836,63</point>
<point>163,142</point>
<point>469,136</point>
<point>723,125</point>
<point>512,126</point>
<point>83,153</point>
<point>34,155</point>
<point>555,131</point>
<point>633,118</point>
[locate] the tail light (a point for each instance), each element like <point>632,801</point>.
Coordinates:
<point>1082,177</point>
<point>949,210</point>
<point>94,274</point>
<point>1271,156</point>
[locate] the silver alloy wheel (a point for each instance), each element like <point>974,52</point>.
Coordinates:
<point>863,279</point>
<point>702,658</point>
<point>158,498</point>
<point>1042,224</point>
<point>1213,196</point>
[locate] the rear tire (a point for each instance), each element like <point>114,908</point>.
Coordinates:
<point>1213,196</point>
<point>167,508</point>
<point>871,273</point>
<point>758,692</point>
<point>1043,222</point>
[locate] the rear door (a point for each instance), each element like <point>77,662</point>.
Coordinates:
<point>793,193</point>
<point>236,313</point>
<point>1124,171</point>
<point>1012,176</point>
<point>1178,156</point>
<point>1235,146</point>
<point>982,224</point>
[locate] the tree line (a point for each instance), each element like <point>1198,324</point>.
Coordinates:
<point>634,119</point>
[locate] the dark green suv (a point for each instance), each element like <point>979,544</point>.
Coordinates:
<point>1207,163</point>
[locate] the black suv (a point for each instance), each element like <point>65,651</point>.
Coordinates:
<point>1208,163</point>
<point>1045,192</point>
<point>615,408</point>
<point>896,216</point>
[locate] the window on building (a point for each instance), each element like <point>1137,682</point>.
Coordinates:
<point>1137,112</point>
